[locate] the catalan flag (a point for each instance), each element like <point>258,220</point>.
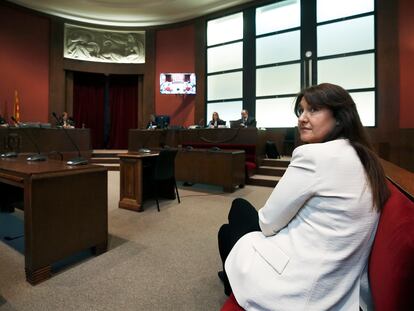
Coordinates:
<point>16,106</point>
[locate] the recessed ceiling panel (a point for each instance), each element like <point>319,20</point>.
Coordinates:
<point>128,13</point>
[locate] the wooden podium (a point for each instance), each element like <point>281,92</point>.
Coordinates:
<point>135,180</point>
<point>131,195</point>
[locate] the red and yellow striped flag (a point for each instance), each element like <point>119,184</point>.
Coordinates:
<point>16,106</point>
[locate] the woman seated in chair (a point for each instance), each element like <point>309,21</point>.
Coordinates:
<point>308,247</point>
<point>216,121</point>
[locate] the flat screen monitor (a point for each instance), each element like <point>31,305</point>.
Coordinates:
<point>162,121</point>
<point>177,83</point>
<point>234,124</point>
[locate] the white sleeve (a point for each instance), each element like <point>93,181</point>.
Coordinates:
<point>295,187</point>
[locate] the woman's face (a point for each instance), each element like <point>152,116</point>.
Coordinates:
<point>314,123</point>
<point>215,116</point>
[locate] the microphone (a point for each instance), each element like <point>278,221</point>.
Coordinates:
<point>144,146</point>
<point>8,154</point>
<point>33,157</point>
<point>75,161</point>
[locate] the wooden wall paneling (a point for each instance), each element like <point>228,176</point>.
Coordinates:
<point>392,143</point>
<point>406,62</point>
<point>69,93</point>
<point>141,121</point>
<point>387,67</point>
<point>104,68</point>
<point>57,91</point>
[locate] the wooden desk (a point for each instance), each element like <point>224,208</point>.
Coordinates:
<point>252,136</point>
<point>152,138</point>
<point>176,137</point>
<point>223,168</point>
<point>47,139</point>
<point>65,210</point>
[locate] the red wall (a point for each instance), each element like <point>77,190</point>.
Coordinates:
<point>406,42</point>
<point>24,63</point>
<point>175,53</point>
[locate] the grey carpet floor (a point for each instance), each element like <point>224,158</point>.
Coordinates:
<point>155,261</point>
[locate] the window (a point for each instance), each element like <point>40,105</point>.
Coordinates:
<point>278,75</point>
<point>294,44</point>
<point>225,66</point>
<point>346,50</point>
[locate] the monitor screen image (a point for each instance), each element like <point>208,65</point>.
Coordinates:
<point>177,83</point>
<point>162,121</point>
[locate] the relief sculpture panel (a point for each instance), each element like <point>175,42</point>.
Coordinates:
<point>103,45</point>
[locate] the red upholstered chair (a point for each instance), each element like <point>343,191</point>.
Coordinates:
<point>231,305</point>
<point>391,264</point>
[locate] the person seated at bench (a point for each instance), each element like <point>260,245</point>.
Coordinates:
<point>3,122</point>
<point>308,247</point>
<point>245,120</point>
<point>152,124</point>
<point>66,121</point>
<point>215,121</point>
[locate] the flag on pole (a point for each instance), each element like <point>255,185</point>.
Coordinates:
<point>16,106</point>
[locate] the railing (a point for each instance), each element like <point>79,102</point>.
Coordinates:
<point>401,178</point>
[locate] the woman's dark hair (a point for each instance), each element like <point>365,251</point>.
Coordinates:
<point>349,126</point>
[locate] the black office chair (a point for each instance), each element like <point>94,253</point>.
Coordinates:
<point>164,171</point>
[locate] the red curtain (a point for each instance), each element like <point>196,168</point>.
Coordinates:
<point>88,105</point>
<point>123,103</point>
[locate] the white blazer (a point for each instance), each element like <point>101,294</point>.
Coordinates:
<point>318,226</point>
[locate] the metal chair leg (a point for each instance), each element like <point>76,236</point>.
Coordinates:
<point>156,197</point>
<point>176,190</point>
<point>158,205</point>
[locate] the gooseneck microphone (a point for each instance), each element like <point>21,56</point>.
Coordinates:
<point>75,161</point>
<point>8,154</point>
<point>34,157</point>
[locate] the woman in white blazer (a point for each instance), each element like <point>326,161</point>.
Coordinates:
<point>307,248</point>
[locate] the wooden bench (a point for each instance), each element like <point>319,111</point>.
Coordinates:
<point>222,167</point>
<point>249,149</point>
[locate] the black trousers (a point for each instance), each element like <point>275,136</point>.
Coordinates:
<point>243,218</point>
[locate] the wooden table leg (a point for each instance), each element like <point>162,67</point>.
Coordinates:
<point>39,275</point>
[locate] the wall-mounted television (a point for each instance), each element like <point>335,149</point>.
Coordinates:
<point>177,83</point>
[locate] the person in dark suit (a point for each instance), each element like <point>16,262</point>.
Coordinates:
<point>152,123</point>
<point>216,121</point>
<point>245,120</point>
<point>66,121</point>
<point>2,121</point>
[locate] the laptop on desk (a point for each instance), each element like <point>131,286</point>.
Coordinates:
<point>234,124</point>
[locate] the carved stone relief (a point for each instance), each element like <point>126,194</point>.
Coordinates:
<point>103,45</point>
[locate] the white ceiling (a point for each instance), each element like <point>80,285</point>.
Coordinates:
<point>128,13</point>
